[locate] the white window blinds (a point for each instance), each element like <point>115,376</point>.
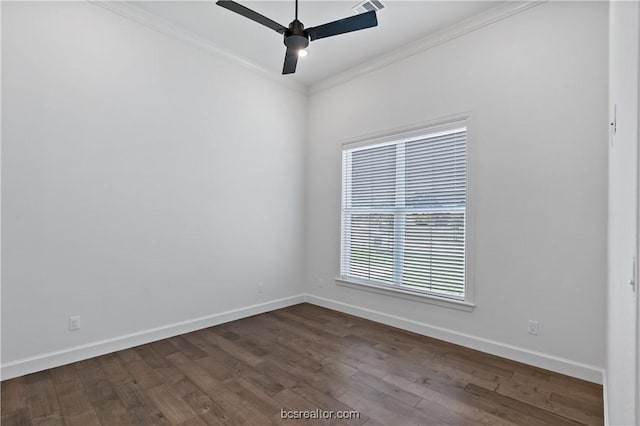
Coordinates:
<point>403,213</point>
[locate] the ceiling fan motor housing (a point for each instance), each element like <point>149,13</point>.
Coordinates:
<point>296,37</point>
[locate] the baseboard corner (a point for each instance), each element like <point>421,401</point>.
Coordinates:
<point>54,359</point>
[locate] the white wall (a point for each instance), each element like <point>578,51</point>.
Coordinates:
<point>622,352</point>
<point>144,182</point>
<point>536,85</point>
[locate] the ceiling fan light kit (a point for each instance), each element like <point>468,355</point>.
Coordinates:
<point>296,37</point>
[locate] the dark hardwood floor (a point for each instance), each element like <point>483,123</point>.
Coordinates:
<point>300,358</point>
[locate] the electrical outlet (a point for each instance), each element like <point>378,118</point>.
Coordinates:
<point>532,328</point>
<point>320,282</point>
<point>260,287</point>
<point>74,323</point>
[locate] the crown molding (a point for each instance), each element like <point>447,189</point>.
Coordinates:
<point>452,32</point>
<point>163,26</point>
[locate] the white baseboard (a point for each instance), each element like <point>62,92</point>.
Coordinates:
<point>55,359</point>
<point>537,359</point>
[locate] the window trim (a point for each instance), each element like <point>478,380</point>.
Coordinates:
<point>404,134</point>
<point>402,293</point>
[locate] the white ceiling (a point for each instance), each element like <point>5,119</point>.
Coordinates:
<point>399,23</point>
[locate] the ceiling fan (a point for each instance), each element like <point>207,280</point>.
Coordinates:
<point>296,37</point>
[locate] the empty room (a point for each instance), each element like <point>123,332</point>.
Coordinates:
<point>341,212</point>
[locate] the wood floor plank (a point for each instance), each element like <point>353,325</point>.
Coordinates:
<point>257,344</point>
<point>483,369</point>
<point>195,373</point>
<point>14,395</point>
<point>222,367</point>
<point>65,374</point>
<point>338,367</point>
<point>537,397</point>
<point>163,347</point>
<point>48,420</point>
<point>373,409</point>
<point>174,409</point>
<point>219,363</point>
<point>113,368</point>
<point>255,395</point>
<point>563,388</point>
<point>146,415</point>
<point>237,409</point>
<point>450,400</point>
<point>532,411</point>
<point>194,421</point>
<point>287,352</point>
<point>130,394</point>
<point>321,381</point>
<point>576,402</point>
<point>577,385</point>
<point>503,411</point>
<point>143,374</point>
<point>138,404</point>
<point>316,328</point>
<point>464,373</point>
<point>231,348</point>
<point>16,417</point>
<point>302,357</point>
<point>152,359</point>
<point>187,348</point>
<point>73,400</point>
<point>42,399</point>
<point>100,390</point>
<point>128,355</point>
<point>291,401</point>
<point>208,410</point>
<point>372,422</point>
<point>326,402</point>
<point>270,376</point>
<point>282,341</point>
<point>111,412</point>
<point>387,388</point>
<point>456,351</point>
<point>171,375</point>
<point>87,418</point>
<point>311,322</point>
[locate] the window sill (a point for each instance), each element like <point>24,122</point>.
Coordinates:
<point>459,305</point>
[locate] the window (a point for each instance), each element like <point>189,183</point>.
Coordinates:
<point>404,210</point>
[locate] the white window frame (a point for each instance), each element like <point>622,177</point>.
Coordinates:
<point>407,134</point>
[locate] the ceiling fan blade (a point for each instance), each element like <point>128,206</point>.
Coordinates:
<point>346,25</point>
<point>290,61</point>
<point>254,16</point>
